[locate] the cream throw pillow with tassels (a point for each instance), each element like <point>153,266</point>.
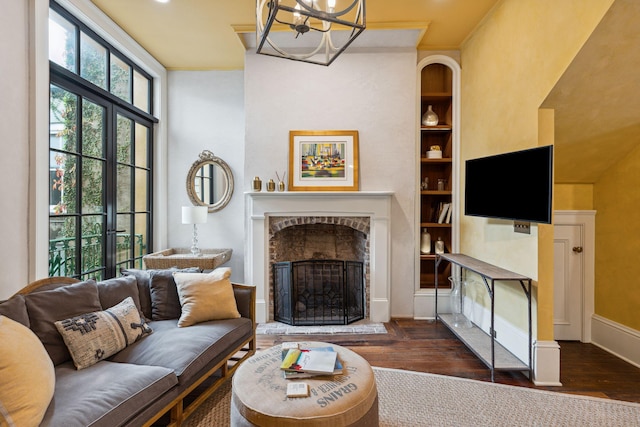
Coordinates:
<point>27,377</point>
<point>205,297</point>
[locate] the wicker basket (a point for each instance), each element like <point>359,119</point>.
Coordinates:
<point>182,258</point>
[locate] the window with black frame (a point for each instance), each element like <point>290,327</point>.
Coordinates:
<point>100,151</point>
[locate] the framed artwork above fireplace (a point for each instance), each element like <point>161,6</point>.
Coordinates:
<point>323,160</point>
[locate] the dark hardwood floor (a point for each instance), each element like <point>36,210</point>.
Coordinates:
<point>428,346</point>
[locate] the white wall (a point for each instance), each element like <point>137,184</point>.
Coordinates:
<point>374,93</point>
<point>14,146</point>
<point>206,112</point>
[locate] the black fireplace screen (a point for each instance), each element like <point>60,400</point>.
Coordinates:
<point>318,292</point>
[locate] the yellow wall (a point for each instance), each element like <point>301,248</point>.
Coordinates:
<point>617,202</point>
<point>509,66</point>
<point>573,196</point>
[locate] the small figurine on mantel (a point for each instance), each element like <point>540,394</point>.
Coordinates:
<point>280,181</point>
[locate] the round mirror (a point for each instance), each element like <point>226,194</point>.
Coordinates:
<point>210,182</point>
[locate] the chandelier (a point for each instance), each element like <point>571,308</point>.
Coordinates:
<point>304,30</point>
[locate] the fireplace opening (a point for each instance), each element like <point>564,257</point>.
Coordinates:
<point>318,292</point>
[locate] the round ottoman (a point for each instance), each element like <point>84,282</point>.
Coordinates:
<point>259,393</point>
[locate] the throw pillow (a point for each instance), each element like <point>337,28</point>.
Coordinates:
<point>113,291</point>
<point>27,376</point>
<point>142,279</point>
<point>47,307</point>
<point>165,303</point>
<point>92,337</point>
<point>206,297</point>
<point>15,309</point>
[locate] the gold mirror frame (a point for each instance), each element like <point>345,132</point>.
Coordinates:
<point>207,158</point>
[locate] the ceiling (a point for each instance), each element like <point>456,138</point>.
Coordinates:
<point>204,34</point>
<point>596,119</point>
<point>596,102</point>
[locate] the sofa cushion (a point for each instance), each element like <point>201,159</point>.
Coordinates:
<point>92,337</point>
<point>143,278</point>
<point>105,394</point>
<point>47,307</point>
<point>142,281</point>
<point>165,303</point>
<point>199,345</point>
<point>27,377</point>
<point>16,309</point>
<point>205,296</point>
<point>113,291</point>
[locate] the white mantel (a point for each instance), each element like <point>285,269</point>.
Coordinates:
<point>373,204</point>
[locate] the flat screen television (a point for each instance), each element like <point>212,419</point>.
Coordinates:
<point>515,186</point>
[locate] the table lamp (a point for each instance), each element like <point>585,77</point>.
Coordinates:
<point>194,215</point>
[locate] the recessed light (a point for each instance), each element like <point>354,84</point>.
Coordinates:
<point>163,1</point>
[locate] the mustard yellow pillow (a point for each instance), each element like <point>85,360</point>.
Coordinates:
<point>205,297</point>
<point>27,377</point>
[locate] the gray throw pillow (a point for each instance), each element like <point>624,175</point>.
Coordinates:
<point>114,291</point>
<point>144,294</point>
<point>165,303</point>
<point>15,309</point>
<point>47,307</point>
<point>143,278</point>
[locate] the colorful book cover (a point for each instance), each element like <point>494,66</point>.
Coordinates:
<point>310,361</point>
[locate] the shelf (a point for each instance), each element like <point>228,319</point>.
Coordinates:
<point>483,345</point>
<point>435,224</point>
<point>435,96</point>
<point>428,256</point>
<point>435,192</point>
<point>442,160</point>
<point>436,128</point>
<point>479,343</point>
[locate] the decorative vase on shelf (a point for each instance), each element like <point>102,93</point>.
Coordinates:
<point>439,246</point>
<point>457,303</point>
<point>430,118</point>
<point>425,242</point>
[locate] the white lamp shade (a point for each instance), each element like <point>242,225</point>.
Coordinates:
<point>194,214</point>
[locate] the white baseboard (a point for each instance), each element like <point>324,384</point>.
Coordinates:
<point>546,364</point>
<point>617,339</point>
<point>424,303</point>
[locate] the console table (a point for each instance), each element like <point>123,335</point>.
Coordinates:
<point>484,345</point>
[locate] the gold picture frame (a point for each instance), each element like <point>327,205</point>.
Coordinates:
<point>323,160</point>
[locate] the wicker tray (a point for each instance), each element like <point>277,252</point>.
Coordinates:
<point>182,258</point>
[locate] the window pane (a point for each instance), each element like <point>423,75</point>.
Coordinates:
<point>141,94</point>
<point>93,129</point>
<point>93,61</point>
<point>62,246</point>
<point>63,108</point>
<point>123,139</point>
<point>120,78</point>
<point>124,239</point>
<point>124,188</point>
<point>142,182</point>
<point>141,238</point>
<point>63,193</point>
<point>92,186</point>
<point>93,251</point>
<point>62,41</point>
<point>142,142</point>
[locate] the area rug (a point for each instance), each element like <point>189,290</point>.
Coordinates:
<point>278,328</point>
<point>408,399</point>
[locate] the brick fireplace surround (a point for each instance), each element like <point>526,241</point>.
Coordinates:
<point>324,207</point>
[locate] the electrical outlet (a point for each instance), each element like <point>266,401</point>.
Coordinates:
<point>522,227</point>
